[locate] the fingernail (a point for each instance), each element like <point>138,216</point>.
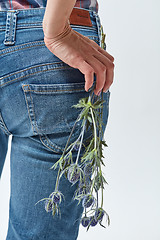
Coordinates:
<point>107,90</point>
<point>99,92</point>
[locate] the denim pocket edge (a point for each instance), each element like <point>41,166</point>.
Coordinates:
<point>39,89</point>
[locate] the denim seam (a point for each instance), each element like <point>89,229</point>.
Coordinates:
<point>22,49</point>
<point>8,48</point>
<point>4,127</point>
<point>30,75</point>
<point>84,27</point>
<point>29,112</point>
<point>48,144</point>
<point>40,65</point>
<point>61,90</point>
<point>49,85</point>
<point>4,130</point>
<point>51,143</point>
<point>40,26</point>
<point>33,113</point>
<point>30,117</point>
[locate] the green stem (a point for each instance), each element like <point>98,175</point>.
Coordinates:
<point>101,188</point>
<point>57,180</point>
<point>76,141</point>
<point>70,136</point>
<point>93,182</point>
<point>97,190</point>
<point>95,141</point>
<point>95,130</point>
<point>81,142</point>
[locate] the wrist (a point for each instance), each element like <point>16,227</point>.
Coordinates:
<point>55,39</point>
<point>54,30</point>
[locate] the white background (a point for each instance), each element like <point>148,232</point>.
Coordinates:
<point>132,198</point>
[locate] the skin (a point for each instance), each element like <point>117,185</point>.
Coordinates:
<point>74,49</point>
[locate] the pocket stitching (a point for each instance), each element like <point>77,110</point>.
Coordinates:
<point>33,123</point>
<point>3,126</point>
<point>47,143</point>
<point>29,100</point>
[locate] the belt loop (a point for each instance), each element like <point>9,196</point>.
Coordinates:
<point>96,15</point>
<point>101,34</point>
<point>10,27</point>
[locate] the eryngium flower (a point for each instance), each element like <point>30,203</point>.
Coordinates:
<point>87,201</point>
<point>48,205</point>
<point>88,169</point>
<point>99,214</point>
<point>56,197</point>
<point>85,221</point>
<point>93,221</point>
<point>73,173</point>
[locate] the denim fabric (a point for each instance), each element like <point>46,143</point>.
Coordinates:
<point>37,91</point>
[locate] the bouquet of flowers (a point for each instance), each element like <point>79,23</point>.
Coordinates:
<point>88,173</point>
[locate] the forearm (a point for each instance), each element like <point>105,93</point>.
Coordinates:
<point>56,16</point>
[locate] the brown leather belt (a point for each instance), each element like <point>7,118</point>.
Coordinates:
<point>80,17</point>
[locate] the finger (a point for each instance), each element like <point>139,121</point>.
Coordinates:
<point>100,70</point>
<point>104,52</point>
<point>109,66</point>
<point>109,79</point>
<point>87,70</point>
<point>101,50</point>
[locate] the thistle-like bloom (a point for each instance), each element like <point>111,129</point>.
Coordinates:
<point>88,201</point>
<point>99,214</point>
<point>48,205</point>
<point>73,174</point>
<point>85,221</point>
<point>93,221</point>
<point>56,197</point>
<point>88,169</point>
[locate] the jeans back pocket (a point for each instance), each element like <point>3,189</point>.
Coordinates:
<point>51,113</point>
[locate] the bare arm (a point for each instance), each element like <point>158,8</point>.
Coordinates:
<point>56,16</point>
<point>73,48</point>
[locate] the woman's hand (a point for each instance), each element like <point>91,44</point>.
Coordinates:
<point>80,52</point>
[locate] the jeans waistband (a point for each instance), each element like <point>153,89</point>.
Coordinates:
<point>11,20</point>
<point>33,16</point>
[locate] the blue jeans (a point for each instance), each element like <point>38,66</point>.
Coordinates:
<point>37,91</point>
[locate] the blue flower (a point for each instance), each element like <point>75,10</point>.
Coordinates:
<point>73,174</point>
<point>48,205</point>
<point>85,221</point>
<point>93,221</point>
<point>87,201</point>
<point>56,197</point>
<point>88,169</point>
<point>99,214</point>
